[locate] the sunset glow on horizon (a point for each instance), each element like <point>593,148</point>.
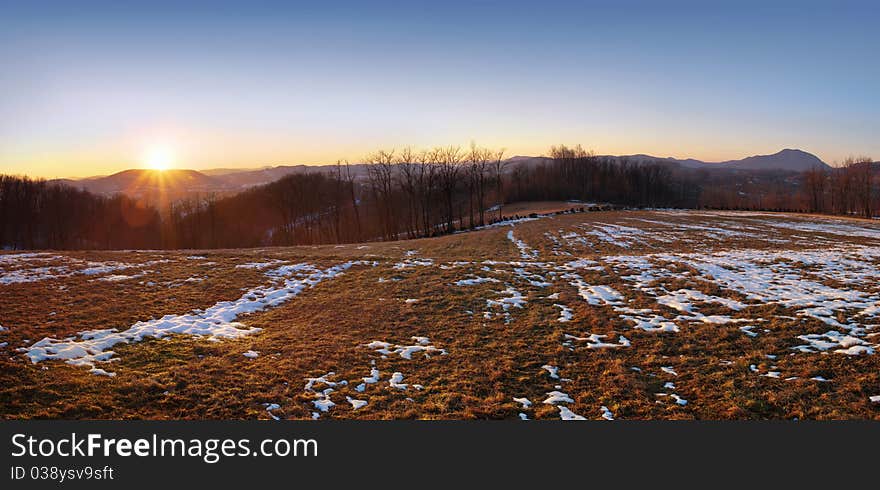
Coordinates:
<point>159,158</point>
<point>94,89</point>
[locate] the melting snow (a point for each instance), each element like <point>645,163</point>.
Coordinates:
<point>216,322</point>
<point>474,281</point>
<point>423,344</point>
<point>565,315</point>
<point>356,404</point>
<point>594,341</point>
<point>525,402</point>
<point>396,381</point>
<point>553,370</point>
<point>555,397</point>
<point>526,252</point>
<point>669,370</point>
<point>566,414</point>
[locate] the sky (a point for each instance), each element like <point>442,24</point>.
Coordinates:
<point>91,88</point>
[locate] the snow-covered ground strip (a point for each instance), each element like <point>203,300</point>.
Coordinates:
<point>322,399</point>
<point>565,313</point>
<point>525,402</point>
<point>669,385</point>
<point>532,278</point>
<point>475,280</point>
<point>584,264</point>
<point>552,370</point>
<point>16,268</point>
<point>566,414</point>
<point>526,252</point>
<point>605,413</point>
<point>356,404</point>
<point>396,381</point>
<point>556,249</point>
<point>617,235</point>
<point>122,277</point>
<point>35,274</point>
<point>778,277</point>
<point>595,341</point>
<point>793,279</point>
<point>410,263</point>
<point>508,222</point>
<point>98,268</point>
<point>259,265</point>
<point>651,322</point>
<point>216,322</point>
<point>595,295</point>
<point>270,407</point>
<point>717,230</point>
<point>513,298</point>
<point>839,342</point>
<point>827,227</point>
<point>422,344</point>
<point>557,397</point>
<point>669,370</point>
<point>11,258</point>
<point>373,378</point>
<point>681,300</point>
<point>643,319</point>
<point>679,400</point>
<point>322,388</point>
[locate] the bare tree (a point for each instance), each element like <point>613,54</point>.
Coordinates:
<point>408,181</point>
<point>380,171</point>
<point>815,179</point>
<point>448,170</point>
<point>498,166</point>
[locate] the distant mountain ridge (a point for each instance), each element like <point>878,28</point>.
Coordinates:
<point>173,184</point>
<point>151,186</point>
<point>787,160</point>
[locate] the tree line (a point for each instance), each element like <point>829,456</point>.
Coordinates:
<point>848,190</point>
<point>412,194</point>
<point>37,215</point>
<point>409,194</point>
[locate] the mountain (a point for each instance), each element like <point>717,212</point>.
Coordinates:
<point>153,186</point>
<point>786,160</point>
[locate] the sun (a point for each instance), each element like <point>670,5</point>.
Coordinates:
<point>159,158</point>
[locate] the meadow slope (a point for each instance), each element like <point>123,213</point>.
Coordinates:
<point>602,315</point>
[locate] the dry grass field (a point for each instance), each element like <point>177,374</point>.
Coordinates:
<point>622,314</point>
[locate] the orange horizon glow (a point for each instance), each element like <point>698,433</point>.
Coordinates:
<point>222,152</point>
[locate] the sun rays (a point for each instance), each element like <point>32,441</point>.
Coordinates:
<point>159,158</point>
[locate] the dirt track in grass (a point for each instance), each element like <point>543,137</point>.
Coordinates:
<point>670,315</point>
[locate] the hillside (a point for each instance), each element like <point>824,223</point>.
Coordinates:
<point>601,315</point>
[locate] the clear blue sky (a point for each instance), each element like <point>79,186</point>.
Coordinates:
<point>93,87</point>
